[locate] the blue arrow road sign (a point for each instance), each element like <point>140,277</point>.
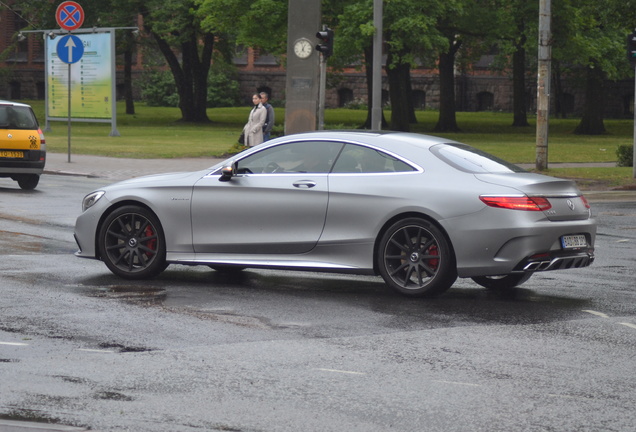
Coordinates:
<point>70,49</point>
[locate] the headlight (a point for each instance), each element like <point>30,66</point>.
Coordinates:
<point>90,199</point>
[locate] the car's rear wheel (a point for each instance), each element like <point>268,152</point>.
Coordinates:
<point>502,282</point>
<point>132,244</point>
<point>415,258</point>
<point>28,181</point>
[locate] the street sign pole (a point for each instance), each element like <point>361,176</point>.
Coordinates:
<point>69,16</point>
<point>69,114</point>
<point>631,56</point>
<point>70,49</point>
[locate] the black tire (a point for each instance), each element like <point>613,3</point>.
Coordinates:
<point>502,282</point>
<point>28,181</point>
<point>132,244</point>
<point>415,258</point>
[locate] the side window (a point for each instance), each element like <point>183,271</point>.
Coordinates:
<point>295,157</point>
<point>359,159</point>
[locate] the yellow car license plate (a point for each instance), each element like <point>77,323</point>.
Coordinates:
<point>11,154</point>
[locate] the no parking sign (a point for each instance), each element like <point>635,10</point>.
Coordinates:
<point>69,15</point>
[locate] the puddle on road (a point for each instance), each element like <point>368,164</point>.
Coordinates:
<point>16,243</point>
<point>141,294</point>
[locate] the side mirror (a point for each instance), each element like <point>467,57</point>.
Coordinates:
<point>227,172</point>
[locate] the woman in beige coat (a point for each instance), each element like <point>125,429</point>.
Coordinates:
<point>253,130</point>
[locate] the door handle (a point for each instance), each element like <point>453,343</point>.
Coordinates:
<point>305,184</point>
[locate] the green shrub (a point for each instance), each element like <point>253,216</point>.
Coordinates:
<point>158,89</point>
<point>625,156</point>
<point>223,86</point>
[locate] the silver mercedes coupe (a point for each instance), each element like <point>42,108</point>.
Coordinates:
<point>417,210</point>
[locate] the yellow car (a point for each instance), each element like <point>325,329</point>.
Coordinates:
<point>22,144</point>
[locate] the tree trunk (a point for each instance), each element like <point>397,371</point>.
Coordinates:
<point>592,120</point>
<point>128,92</point>
<point>520,117</point>
<point>558,91</point>
<point>447,121</point>
<point>190,76</point>
<point>368,68</point>
<point>409,96</point>
<point>398,74</point>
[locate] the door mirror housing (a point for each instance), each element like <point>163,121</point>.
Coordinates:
<point>227,172</point>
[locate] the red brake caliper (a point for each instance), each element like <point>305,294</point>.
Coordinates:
<point>152,243</point>
<point>433,262</point>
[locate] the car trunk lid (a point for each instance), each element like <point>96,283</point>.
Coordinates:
<point>566,200</point>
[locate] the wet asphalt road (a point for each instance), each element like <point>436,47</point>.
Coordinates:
<point>284,351</point>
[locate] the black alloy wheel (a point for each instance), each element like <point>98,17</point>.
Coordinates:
<point>416,259</point>
<point>132,244</point>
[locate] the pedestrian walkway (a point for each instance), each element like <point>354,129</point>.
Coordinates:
<point>120,168</point>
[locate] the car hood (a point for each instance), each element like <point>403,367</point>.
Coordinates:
<point>167,179</point>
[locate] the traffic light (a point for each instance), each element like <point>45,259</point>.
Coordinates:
<point>326,42</point>
<point>631,48</point>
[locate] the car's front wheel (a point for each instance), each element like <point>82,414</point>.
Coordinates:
<point>502,282</point>
<point>415,258</point>
<point>132,244</point>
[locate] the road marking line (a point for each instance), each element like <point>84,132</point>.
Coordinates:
<point>458,383</point>
<point>568,396</point>
<point>600,314</point>
<point>341,371</point>
<point>14,343</point>
<point>630,325</point>
<point>95,350</point>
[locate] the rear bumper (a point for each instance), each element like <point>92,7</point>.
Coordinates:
<point>557,261</point>
<point>32,163</point>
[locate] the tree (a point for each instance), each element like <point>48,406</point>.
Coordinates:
<point>516,36</point>
<point>595,50</point>
<point>187,47</point>
<point>461,21</point>
<point>410,36</point>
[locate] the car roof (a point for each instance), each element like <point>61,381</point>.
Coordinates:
<point>5,102</point>
<point>377,138</point>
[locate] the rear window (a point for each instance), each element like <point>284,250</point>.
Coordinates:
<point>469,159</point>
<point>17,117</point>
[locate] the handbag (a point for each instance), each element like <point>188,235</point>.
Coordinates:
<point>241,139</point>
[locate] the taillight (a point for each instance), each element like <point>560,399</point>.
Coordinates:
<point>585,203</point>
<point>42,140</point>
<point>524,203</point>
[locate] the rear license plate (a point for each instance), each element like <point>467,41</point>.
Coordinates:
<point>573,241</point>
<point>11,154</point>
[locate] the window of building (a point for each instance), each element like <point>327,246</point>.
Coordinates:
<point>345,96</point>
<point>419,99</point>
<point>485,101</point>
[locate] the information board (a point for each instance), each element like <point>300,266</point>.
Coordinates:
<point>91,80</point>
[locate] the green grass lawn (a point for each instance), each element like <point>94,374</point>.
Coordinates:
<point>157,133</point>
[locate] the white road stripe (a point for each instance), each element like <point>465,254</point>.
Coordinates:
<point>14,343</point>
<point>457,383</point>
<point>630,325</point>
<point>341,371</point>
<point>600,314</point>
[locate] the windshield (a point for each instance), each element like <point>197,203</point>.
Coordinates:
<point>472,160</point>
<point>17,117</point>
